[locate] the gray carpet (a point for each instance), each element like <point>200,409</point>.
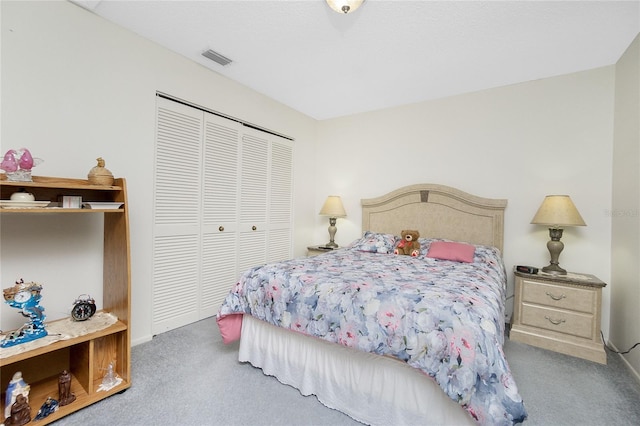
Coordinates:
<point>188,377</point>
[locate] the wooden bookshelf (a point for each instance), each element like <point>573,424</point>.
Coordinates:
<point>86,357</point>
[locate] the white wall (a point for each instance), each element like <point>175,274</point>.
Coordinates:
<point>625,275</point>
<point>76,87</point>
<point>520,142</point>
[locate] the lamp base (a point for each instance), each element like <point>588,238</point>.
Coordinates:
<point>555,247</point>
<point>554,270</point>
<point>332,233</point>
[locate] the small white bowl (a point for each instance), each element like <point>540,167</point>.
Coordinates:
<point>22,196</point>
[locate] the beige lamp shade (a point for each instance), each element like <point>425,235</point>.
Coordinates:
<point>333,207</point>
<point>558,211</point>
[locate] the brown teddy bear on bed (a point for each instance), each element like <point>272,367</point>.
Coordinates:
<point>409,244</point>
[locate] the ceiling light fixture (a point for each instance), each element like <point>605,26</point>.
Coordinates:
<point>344,6</point>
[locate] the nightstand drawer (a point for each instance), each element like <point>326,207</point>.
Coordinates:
<point>572,323</point>
<point>557,296</point>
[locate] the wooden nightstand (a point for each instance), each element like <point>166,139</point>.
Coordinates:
<point>560,313</point>
<point>316,250</point>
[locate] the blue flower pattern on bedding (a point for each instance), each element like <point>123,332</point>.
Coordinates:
<point>376,243</point>
<point>444,318</point>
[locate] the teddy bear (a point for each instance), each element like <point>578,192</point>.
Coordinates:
<point>409,245</point>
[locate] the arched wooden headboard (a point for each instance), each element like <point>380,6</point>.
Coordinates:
<point>437,211</point>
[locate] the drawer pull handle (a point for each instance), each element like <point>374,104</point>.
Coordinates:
<point>554,322</point>
<point>221,228</point>
<point>253,228</point>
<point>555,297</point>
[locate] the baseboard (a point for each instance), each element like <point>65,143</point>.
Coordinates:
<point>633,371</point>
<point>141,340</point>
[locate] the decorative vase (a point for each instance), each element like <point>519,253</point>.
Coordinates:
<point>99,175</point>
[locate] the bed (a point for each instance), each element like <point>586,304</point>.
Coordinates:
<point>390,339</point>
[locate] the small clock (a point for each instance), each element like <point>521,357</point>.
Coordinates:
<point>22,296</point>
<point>83,308</point>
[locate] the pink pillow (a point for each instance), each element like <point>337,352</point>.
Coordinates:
<point>445,250</point>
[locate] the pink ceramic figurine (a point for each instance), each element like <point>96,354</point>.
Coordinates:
<point>9,163</point>
<point>26,160</point>
<point>18,164</point>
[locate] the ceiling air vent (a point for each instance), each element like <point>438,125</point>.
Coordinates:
<point>216,57</point>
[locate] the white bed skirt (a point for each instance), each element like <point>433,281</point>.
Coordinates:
<point>372,389</point>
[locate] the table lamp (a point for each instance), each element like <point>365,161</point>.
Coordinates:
<point>334,209</point>
<point>557,211</point>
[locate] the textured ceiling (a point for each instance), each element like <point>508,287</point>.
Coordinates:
<point>387,53</point>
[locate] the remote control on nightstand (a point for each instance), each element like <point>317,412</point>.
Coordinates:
<point>527,269</point>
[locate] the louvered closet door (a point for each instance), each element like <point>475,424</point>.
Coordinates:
<point>222,204</point>
<point>266,218</point>
<point>280,200</point>
<point>220,211</point>
<point>177,207</point>
<point>254,182</point>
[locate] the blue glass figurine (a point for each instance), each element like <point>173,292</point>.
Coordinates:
<point>26,297</point>
<point>48,407</point>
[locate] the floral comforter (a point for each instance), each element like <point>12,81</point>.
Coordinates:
<point>444,318</point>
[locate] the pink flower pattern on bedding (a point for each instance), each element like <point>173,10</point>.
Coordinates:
<point>442,317</point>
